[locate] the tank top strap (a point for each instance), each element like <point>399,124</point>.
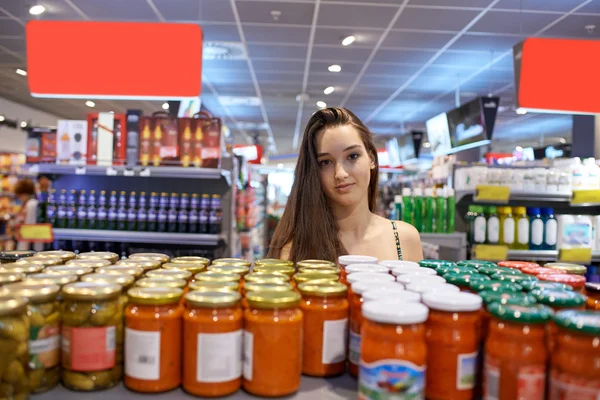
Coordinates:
<point>398,248</point>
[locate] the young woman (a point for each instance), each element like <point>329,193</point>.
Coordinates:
<point>330,209</point>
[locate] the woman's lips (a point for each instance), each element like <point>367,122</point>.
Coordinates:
<point>344,188</point>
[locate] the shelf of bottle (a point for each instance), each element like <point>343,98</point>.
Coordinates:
<point>516,196</point>
<point>136,237</point>
<point>454,240</point>
<point>541,255</point>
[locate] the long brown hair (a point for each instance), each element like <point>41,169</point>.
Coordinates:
<point>307,222</point>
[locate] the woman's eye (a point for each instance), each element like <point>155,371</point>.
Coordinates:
<point>324,163</point>
<point>354,156</point>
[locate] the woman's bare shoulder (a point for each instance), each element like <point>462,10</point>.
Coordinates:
<point>286,251</point>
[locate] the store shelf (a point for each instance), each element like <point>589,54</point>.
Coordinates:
<point>455,240</point>
<point>136,237</point>
<point>517,196</point>
<point>342,387</point>
<point>542,255</point>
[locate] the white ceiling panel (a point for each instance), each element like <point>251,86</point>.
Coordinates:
<point>289,13</point>
<point>540,5</point>
<point>355,15</point>
<point>435,19</point>
<point>199,10</point>
<point>117,10</point>
<point>523,23</point>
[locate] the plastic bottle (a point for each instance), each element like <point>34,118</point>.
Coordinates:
<point>418,209</point>
<point>450,210</point>
<point>440,211</point>
<point>536,229</point>
<point>591,173</point>
<point>574,231</point>
<point>398,207</point>
<point>522,231</point>
<point>493,226</point>
<point>479,225</point>
<point>407,206</point>
<point>577,171</point>
<point>428,210</point>
<point>550,229</point>
<point>596,232</point>
<point>469,218</point>
<point>507,226</point>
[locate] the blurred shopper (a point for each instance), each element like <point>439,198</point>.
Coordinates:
<point>25,192</point>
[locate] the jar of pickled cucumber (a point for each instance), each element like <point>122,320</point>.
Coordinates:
<point>26,269</point>
<point>10,277</point>
<point>51,279</point>
<point>136,272</point>
<point>194,268</point>
<point>14,353</point>
<point>124,280</point>
<point>44,333</point>
<point>92,336</point>
<point>102,255</point>
<point>69,270</point>
<point>44,261</point>
<point>162,258</point>
<point>191,260</point>
<point>7,257</point>
<point>62,254</point>
<point>147,264</point>
<point>94,263</point>
<point>170,273</point>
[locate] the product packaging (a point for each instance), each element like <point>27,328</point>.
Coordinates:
<point>205,140</point>
<point>41,145</point>
<point>107,140</point>
<point>71,146</point>
<point>133,137</point>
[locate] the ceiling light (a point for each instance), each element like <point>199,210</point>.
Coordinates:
<point>334,68</point>
<point>165,106</point>
<point>37,10</point>
<point>348,41</point>
<point>329,90</point>
<point>562,140</point>
<point>280,166</point>
<point>90,103</point>
<point>518,148</point>
<point>2,118</point>
<point>521,111</point>
<point>426,145</point>
<point>321,104</point>
<point>21,72</point>
<point>23,124</point>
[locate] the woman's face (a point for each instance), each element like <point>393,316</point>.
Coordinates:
<point>344,164</point>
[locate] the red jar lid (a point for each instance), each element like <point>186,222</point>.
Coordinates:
<point>575,281</point>
<point>518,264</point>
<point>541,270</point>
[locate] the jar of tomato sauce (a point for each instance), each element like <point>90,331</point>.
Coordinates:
<point>592,290</point>
<point>212,343</point>
<point>303,277</point>
<point>537,270</point>
<point>147,264</point>
<point>476,263</point>
<point>490,296</point>
<point>160,257</point>
<point>214,286</point>
<point>325,329</point>
<point>542,285</point>
<point>272,344</point>
<point>495,286</point>
<point>521,279</point>
<point>577,282</point>
<point>463,281</point>
<point>434,264</point>
<point>393,350</point>
<point>193,268</point>
<point>344,261</point>
<point>136,272</point>
<point>408,279</point>
<point>575,365</point>
<point>515,352</point>
<point>560,300</point>
<point>191,260</point>
<point>452,336</point>
<point>279,269</point>
<point>518,264</point>
<point>240,270</point>
<point>232,261</point>
<point>263,287</point>
<point>153,328</point>
<point>274,262</point>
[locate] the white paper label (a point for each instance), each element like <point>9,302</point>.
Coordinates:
<point>537,232</point>
<point>219,357</point>
<point>479,230</point>
<point>508,234</point>
<point>248,351</point>
<point>354,348</point>
<point>142,354</point>
<point>334,341</point>
<point>523,231</point>
<point>466,368</point>
<point>44,345</point>
<point>493,230</point>
<point>551,232</point>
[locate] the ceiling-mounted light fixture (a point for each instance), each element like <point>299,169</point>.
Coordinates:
<point>165,106</point>
<point>426,145</point>
<point>2,118</point>
<point>329,90</point>
<point>321,104</point>
<point>21,72</point>
<point>348,40</point>
<point>37,10</point>
<point>90,104</point>
<point>521,111</point>
<point>562,140</point>
<point>518,148</point>
<point>334,68</point>
<point>23,124</point>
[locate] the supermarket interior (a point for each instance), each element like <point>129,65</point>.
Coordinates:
<point>156,155</point>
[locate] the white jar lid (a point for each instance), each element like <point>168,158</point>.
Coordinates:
<point>413,271</point>
<point>407,279</point>
<point>356,259</point>
<point>446,301</point>
<point>362,286</point>
<point>395,312</point>
<point>369,276</point>
<point>366,268</point>
<point>398,263</point>
<point>387,294</point>
<point>432,287</point>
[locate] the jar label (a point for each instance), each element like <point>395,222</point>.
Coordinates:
<point>248,351</point>
<point>219,357</point>
<point>509,231</point>
<point>387,379</point>
<point>491,378</point>
<point>523,231</point>
<point>551,232</point>
<point>44,346</point>
<point>334,341</point>
<point>565,386</point>
<point>465,371</point>
<point>89,349</point>
<point>142,354</point>
<point>531,382</point>
<point>354,348</point>
<point>537,232</point>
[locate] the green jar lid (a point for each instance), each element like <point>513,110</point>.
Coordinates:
<point>520,279</point>
<point>517,298</point>
<point>464,279</point>
<point>489,270</point>
<point>535,314</point>
<point>443,270</point>
<point>475,263</point>
<point>496,286</point>
<point>509,271</point>
<point>436,263</point>
<point>579,321</point>
<point>559,298</point>
<point>542,285</point>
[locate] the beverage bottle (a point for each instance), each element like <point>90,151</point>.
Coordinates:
<point>61,210</point>
<point>550,229</point>
<point>184,201</point>
<point>215,216</point>
<point>153,203</point>
<point>408,211</point>
<point>42,208</point>
<point>92,212</point>
<point>469,218</point>
<point>450,210</point>
<point>479,227</point>
<point>102,213</point>
<point>428,210</point>
<point>440,211</point>
<point>203,214</point>
<point>183,214</point>
<point>172,213</point>
<point>82,211</point>
<point>142,214</point>
<point>122,212</point>
<point>493,226</point>
<point>536,228</point>
<point>71,211</point>
<point>152,218</point>
<point>193,215</point>
<point>507,226</point>
<point>51,209</point>
<point>112,211</point>
<point>161,220</point>
<point>522,229</point>
<point>418,209</point>
<point>132,213</point>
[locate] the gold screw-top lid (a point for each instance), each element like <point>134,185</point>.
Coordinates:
<point>11,277</point>
<point>569,268</point>
<point>191,260</point>
<point>229,269</point>
<point>264,277</point>
<point>134,271</point>
<point>44,261</point>
<point>267,287</point>
<point>209,276</point>
<point>89,262</point>
<point>232,261</point>
<point>146,264</point>
<point>10,305</point>
<point>124,280</point>
<point>154,295</point>
<point>63,255</point>
<point>22,268</point>
<point>273,262</point>
<point>220,299</point>
<point>35,292</point>
<point>49,279</point>
<point>323,289</point>
<point>69,270</point>
<point>320,269</point>
<point>214,286</point>
<point>272,300</point>
<point>304,277</point>
<point>161,282</point>
<point>88,291</point>
<point>315,264</point>
<point>170,273</point>
<point>194,268</point>
<point>163,258</point>
<point>103,255</point>
<point>281,269</point>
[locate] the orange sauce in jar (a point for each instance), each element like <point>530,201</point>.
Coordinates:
<point>592,290</point>
<point>575,365</point>
<point>577,282</point>
<point>263,287</point>
<point>212,343</point>
<point>515,352</point>
<point>153,321</point>
<point>452,335</point>
<point>325,330</point>
<point>272,344</point>
<point>393,350</point>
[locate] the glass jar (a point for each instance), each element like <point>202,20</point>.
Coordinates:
<point>325,329</point>
<point>194,268</point>
<point>536,270</point>
<point>68,270</point>
<point>408,279</point>
<point>344,261</point>
<point>14,354</point>
<point>592,290</point>
<point>263,287</point>
<point>240,270</point>
<point>452,334</point>
<point>44,261</point>
<point>217,277</point>
<point>62,254</point>
<point>22,268</point>
<point>521,280</point>
<point>575,365</point>
<point>170,273</point>
<point>568,268</point>
<point>212,343</point>
<point>464,281</point>
<point>152,282</point>
<point>517,264</point>
<point>7,257</point>
<point>51,279</point>
<point>393,350</point>
<point>147,264</point>
<point>88,263</point>
<point>272,344</point>
<point>319,267</point>
<point>303,277</point>
<point>160,257</point>
<point>444,269</point>
<point>475,263</point>
<point>490,296</point>
<point>153,331</point>
<point>232,261</point>
<point>495,286</point>
<point>43,312</point>
<point>10,277</point>
<point>134,271</point>
<point>515,352</point>
<point>264,277</point>
<point>434,264</point>
<point>102,255</point>
<point>324,263</point>
<point>124,280</point>
<point>425,287</point>
<point>92,336</point>
<point>273,261</point>
<point>541,285</point>
<point>577,282</point>
<point>191,260</point>
<point>214,286</point>
<point>289,271</point>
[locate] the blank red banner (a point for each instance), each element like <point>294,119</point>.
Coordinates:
<point>114,60</point>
